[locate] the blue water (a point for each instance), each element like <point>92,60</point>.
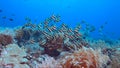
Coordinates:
<point>95,12</point>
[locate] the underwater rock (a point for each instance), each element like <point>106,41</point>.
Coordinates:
<point>48,62</point>
<point>12,57</point>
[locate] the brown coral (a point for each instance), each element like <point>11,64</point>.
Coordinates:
<point>5,39</point>
<point>85,58</point>
<point>53,44</point>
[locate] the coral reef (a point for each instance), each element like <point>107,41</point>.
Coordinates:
<point>7,31</point>
<point>48,45</point>
<point>53,39</point>
<point>115,59</point>
<point>5,39</point>
<point>86,58</point>
<point>48,62</point>
<point>12,57</point>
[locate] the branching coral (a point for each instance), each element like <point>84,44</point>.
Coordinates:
<point>85,58</point>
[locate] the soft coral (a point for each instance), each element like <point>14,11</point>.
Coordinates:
<point>86,58</point>
<point>5,39</point>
